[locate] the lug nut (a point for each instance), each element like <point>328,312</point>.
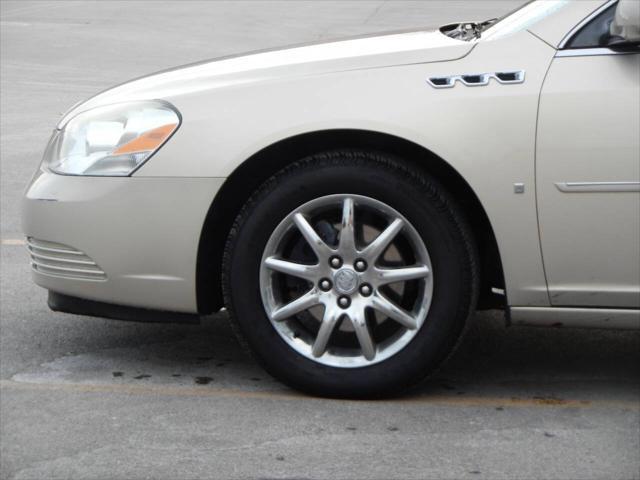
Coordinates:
<point>335,262</point>
<point>344,302</point>
<point>325,284</point>
<point>360,265</point>
<point>365,289</point>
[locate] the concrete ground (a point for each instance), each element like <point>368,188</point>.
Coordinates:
<point>88,398</point>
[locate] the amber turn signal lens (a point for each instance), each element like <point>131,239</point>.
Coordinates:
<point>148,140</point>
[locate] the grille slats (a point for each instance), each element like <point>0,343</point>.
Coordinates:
<point>62,261</point>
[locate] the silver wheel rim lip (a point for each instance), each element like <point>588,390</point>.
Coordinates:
<point>329,357</point>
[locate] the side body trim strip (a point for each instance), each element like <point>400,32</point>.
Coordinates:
<point>597,187</point>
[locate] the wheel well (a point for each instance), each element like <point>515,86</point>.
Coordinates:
<point>262,165</point>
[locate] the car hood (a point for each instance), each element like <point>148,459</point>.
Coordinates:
<point>352,54</point>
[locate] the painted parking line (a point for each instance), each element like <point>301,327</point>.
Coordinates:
<point>12,241</point>
<point>435,400</point>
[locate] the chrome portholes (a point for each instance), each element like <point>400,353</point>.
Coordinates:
<point>346,281</point>
<point>477,79</point>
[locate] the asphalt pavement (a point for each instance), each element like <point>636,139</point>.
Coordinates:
<point>86,398</point>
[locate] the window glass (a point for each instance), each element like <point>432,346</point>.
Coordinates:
<point>596,32</point>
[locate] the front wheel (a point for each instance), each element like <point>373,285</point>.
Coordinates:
<point>350,276</point>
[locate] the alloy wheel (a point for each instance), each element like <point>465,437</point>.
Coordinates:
<point>346,280</point>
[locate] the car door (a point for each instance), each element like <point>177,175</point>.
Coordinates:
<point>588,171</point>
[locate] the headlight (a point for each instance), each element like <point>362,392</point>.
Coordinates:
<point>113,140</point>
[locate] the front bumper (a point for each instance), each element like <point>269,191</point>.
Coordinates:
<point>141,232</point>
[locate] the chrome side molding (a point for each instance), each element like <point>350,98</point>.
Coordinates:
<point>584,187</point>
<point>590,52</point>
<point>575,317</point>
<point>477,79</point>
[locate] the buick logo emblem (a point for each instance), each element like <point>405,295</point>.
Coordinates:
<point>346,281</point>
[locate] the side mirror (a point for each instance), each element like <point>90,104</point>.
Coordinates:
<point>625,28</point>
<point>621,45</point>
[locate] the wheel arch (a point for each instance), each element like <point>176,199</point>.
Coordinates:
<point>249,175</point>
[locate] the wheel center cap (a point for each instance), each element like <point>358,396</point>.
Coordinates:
<point>346,281</point>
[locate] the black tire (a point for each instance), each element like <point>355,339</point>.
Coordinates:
<point>421,200</point>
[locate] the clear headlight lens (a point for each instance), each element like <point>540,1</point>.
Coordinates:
<point>111,141</point>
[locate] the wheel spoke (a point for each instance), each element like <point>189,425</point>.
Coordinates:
<point>391,275</point>
<point>347,231</point>
<point>364,335</point>
<point>329,321</point>
<point>299,270</point>
<point>308,300</point>
<point>382,241</point>
<point>318,246</point>
<point>394,312</point>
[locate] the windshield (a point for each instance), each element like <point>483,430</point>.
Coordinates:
<point>523,18</point>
